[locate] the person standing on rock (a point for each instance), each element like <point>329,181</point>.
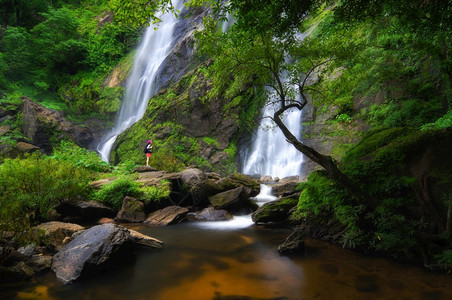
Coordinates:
<point>148,151</point>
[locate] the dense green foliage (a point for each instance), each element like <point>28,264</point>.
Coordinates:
<point>79,157</point>
<point>36,184</point>
<point>61,51</point>
<point>390,219</point>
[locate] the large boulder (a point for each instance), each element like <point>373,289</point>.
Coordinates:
<point>94,250</point>
<point>89,250</point>
<point>275,211</point>
<point>132,211</point>
<point>233,200</point>
<point>56,232</point>
<point>192,176</point>
<point>166,216</point>
<point>285,186</point>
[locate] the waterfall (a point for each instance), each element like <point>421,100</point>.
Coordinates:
<point>143,81</point>
<point>270,153</point>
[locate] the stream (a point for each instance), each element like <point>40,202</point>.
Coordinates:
<point>239,260</point>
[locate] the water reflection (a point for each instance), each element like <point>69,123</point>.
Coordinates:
<point>201,263</point>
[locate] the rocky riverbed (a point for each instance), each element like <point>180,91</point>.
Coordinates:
<point>87,237</point>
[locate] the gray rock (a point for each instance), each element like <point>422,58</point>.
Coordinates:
<point>142,169</point>
<point>166,216</point>
<point>40,263</point>
<point>239,180</point>
<point>85,211</point>
<point>22,270</point>
<point>212,214</point>
<point>285,187</point>
<point>27,250</point>
<point>266,179</point>
<point>144,240</point>
<point>89,251</point>
<point>192,176</point>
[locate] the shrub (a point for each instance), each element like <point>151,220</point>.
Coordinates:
<point>320,193</point>
<point>153,196</point>
<point>114,192</point>
<point>79,157</point>
<point>15,230</point>
<point>164,159</point>
<point>35,185</point>
<point>124,168</point>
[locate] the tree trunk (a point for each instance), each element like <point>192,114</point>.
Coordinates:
<point>324,161</point>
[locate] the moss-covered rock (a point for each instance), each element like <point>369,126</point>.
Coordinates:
<point>275,211</point>
<point>238,179</point>
<point>132,210</point>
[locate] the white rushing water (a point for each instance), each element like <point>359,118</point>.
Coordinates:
<point>270,153</point>
<point>143,83</point>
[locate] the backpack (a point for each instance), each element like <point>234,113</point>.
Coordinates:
<point>148,148</point>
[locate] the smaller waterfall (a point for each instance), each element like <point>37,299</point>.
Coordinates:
<point>271,154</point>
<point>265,195</point>
<point>143,83</point>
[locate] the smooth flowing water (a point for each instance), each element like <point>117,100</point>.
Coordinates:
<point>240,261</point>
<point>270,153</point>
<point>143,82</point>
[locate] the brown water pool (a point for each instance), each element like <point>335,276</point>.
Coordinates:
<point>218,261</point>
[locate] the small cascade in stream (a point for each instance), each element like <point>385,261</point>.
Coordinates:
<point>237,222</point>
<point>143,82</point>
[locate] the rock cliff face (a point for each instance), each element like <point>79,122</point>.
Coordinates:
<point>40,125</point>
<point>183,118</point>
<point>325,134</point>
<point>181,58</point>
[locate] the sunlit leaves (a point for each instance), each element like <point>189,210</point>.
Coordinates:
<point>139,12</point>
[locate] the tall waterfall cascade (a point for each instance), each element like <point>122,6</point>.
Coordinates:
<point>143,81</point>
